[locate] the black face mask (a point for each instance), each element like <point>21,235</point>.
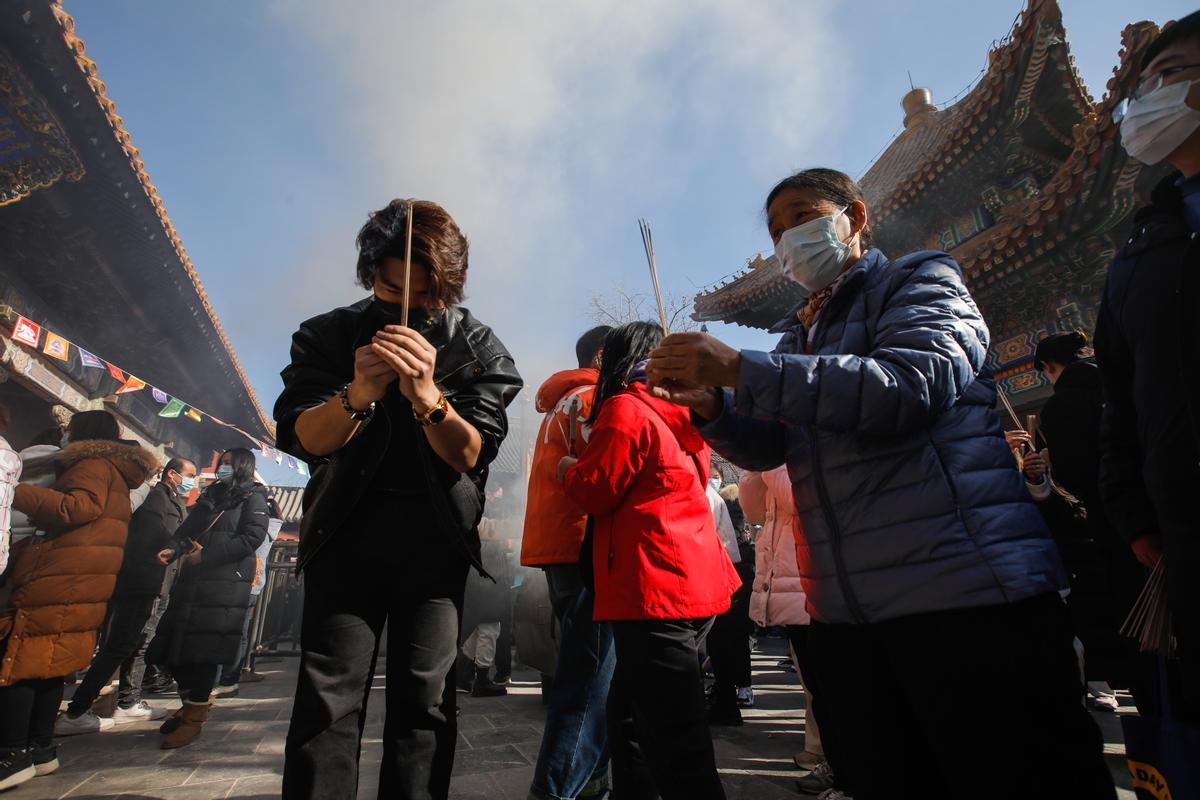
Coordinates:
<point>384,313</point>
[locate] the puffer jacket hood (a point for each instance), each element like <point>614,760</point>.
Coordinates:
<point>558,385</point>
<point>908,498</point>
<point>135,463</point>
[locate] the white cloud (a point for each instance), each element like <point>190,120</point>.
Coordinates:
<point>538,123</point>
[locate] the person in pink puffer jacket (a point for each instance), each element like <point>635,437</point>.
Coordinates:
<point>778,598</point>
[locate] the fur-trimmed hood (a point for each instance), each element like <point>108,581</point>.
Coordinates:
<point>135,463</point>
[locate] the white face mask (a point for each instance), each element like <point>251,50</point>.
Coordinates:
<point>813,254</point>
<point>1157,124</point>
<point>715,483</point>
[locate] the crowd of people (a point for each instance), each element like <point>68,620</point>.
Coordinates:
<point>114,564</point>
<point>914,546</point>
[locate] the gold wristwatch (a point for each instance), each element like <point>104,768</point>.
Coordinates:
<point>435,415</point>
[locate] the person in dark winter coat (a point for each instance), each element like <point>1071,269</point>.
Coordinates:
<point>135,608</point>
<point>202,628</point>
<point>1149,354</point>
<point>927,569</point>
<point>1105,577</point>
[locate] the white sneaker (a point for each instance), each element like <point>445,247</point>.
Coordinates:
<point>141,712</point>
<point>88,722</point>
<point>745,697</point>
<point>1103,702</point>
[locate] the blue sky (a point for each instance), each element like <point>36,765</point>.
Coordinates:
<point>547,129</point>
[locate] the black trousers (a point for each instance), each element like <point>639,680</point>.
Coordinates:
<point>817,704</point>
<point>658,727</point>
<point>505,642</point>
<point>903,701</point>
<point>195,681</point>
<point>27,713</point>
<point>728,646</point>
<point>405,576</point>
<point>125,636</point>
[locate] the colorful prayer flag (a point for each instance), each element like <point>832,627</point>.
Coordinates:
<point>160,396</point>
<point>302,468</point>
<point>57,346</point>
<point>291,462</point>
<point>172,409</point>
<point>278,456</point>
<point>115,372</point>
<point>89,360</point>
<point>26,332</point>
<point>267,452</point>
<point>194,415</point>
<point>132,385</point>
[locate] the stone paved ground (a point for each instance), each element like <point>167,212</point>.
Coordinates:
<point>240,754</point>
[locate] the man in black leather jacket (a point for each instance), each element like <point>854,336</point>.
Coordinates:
<point>400,424</point>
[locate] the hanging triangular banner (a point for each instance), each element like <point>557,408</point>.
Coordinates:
<point>291,462</point>
<point>57,346</point>
<point>89,360</point>
<point>194,415</point>
<point>132,385</point>
<point>302,468</point>
<point>267,452</point>
<point>115,372</point>
<point>278,456</point>
<point>26,332</point>
<point>160,396</point>
<point>172,409</point>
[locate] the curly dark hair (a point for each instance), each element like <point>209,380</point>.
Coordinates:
<point>437,243</point>
<point>828,184</point>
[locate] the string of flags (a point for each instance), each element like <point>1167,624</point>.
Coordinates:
<point>30,334</point>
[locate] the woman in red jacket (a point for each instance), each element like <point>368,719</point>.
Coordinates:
<point>661,571</point>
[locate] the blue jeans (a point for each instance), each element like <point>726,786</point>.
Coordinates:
<point>575,738</point>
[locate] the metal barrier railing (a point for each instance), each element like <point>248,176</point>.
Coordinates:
<point>278,612</point>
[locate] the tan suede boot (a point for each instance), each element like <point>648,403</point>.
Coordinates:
<point>191,721</point>
<point>171,722</point>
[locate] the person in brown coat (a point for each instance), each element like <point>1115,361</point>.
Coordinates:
<point>61,583</point>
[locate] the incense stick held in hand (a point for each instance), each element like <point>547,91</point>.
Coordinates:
<point>1008,407</point>
<point>407,266</point>
<point>648,243</point>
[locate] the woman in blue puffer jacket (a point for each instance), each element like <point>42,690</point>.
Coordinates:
<point>928,570</point>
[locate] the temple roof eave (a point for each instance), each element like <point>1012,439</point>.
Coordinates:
<point>98,89</point>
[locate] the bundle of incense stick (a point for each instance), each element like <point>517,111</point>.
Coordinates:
<point>648,243</point>
<point>407,266</point>
<point>1009,408</point>
<point>1149,622</point>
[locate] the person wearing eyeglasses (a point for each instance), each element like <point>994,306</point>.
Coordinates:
<point>1147,352</point>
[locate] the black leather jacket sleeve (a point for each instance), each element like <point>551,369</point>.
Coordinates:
<point>316,373</point>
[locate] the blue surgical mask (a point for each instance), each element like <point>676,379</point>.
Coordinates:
<point>224,472</point>
<point>186,484</point>
<point>813,254</point>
